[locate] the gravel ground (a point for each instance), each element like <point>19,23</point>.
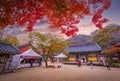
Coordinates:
<point>66,73</point>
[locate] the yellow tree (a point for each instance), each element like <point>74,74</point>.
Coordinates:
<point>47,44</point>
<point>1,32</point>
<point>12,40</point>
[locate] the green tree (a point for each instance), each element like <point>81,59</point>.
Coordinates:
<point>47,44</point>
<point>104,35</point>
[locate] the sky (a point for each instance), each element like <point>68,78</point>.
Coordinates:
<point>113,14</point>
<point>86,26</point>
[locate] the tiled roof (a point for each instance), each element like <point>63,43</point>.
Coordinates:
<point>88,47</point>
<point>113,42</point>
<point>116,41</point>
<point>116,34</point>
<point>24,47</point>
<point>8,49</point>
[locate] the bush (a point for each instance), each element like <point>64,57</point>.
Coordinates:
<point>115,64</point>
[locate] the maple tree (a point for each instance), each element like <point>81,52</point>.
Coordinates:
<point>59,13</point>
<point>114,49</point>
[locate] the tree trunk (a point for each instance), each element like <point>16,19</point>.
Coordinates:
<point>46,64</point>
<point>45,60</point>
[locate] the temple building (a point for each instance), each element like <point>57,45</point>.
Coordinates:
<point>85,51</point>
<point>6,53</point>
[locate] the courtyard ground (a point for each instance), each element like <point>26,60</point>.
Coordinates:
<point>66,73</point>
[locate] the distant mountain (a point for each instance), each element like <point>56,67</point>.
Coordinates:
<point>116,34</point>
<point>113,25</point>
<point>79,38</point>
<point>13,30</point>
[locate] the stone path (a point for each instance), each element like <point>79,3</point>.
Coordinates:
<point>66,73</point>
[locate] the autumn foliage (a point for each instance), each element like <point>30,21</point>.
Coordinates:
<point>59,13</point>
<point>114,49</point>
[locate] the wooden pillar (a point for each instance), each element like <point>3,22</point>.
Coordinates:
<point>97,56</point>
<point>86,57</point>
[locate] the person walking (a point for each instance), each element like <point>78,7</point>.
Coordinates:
<point>108,65</point>
<point>91,64</point>
<point>40,61</point>
<point>79,62</point>
<point>31,61</point>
